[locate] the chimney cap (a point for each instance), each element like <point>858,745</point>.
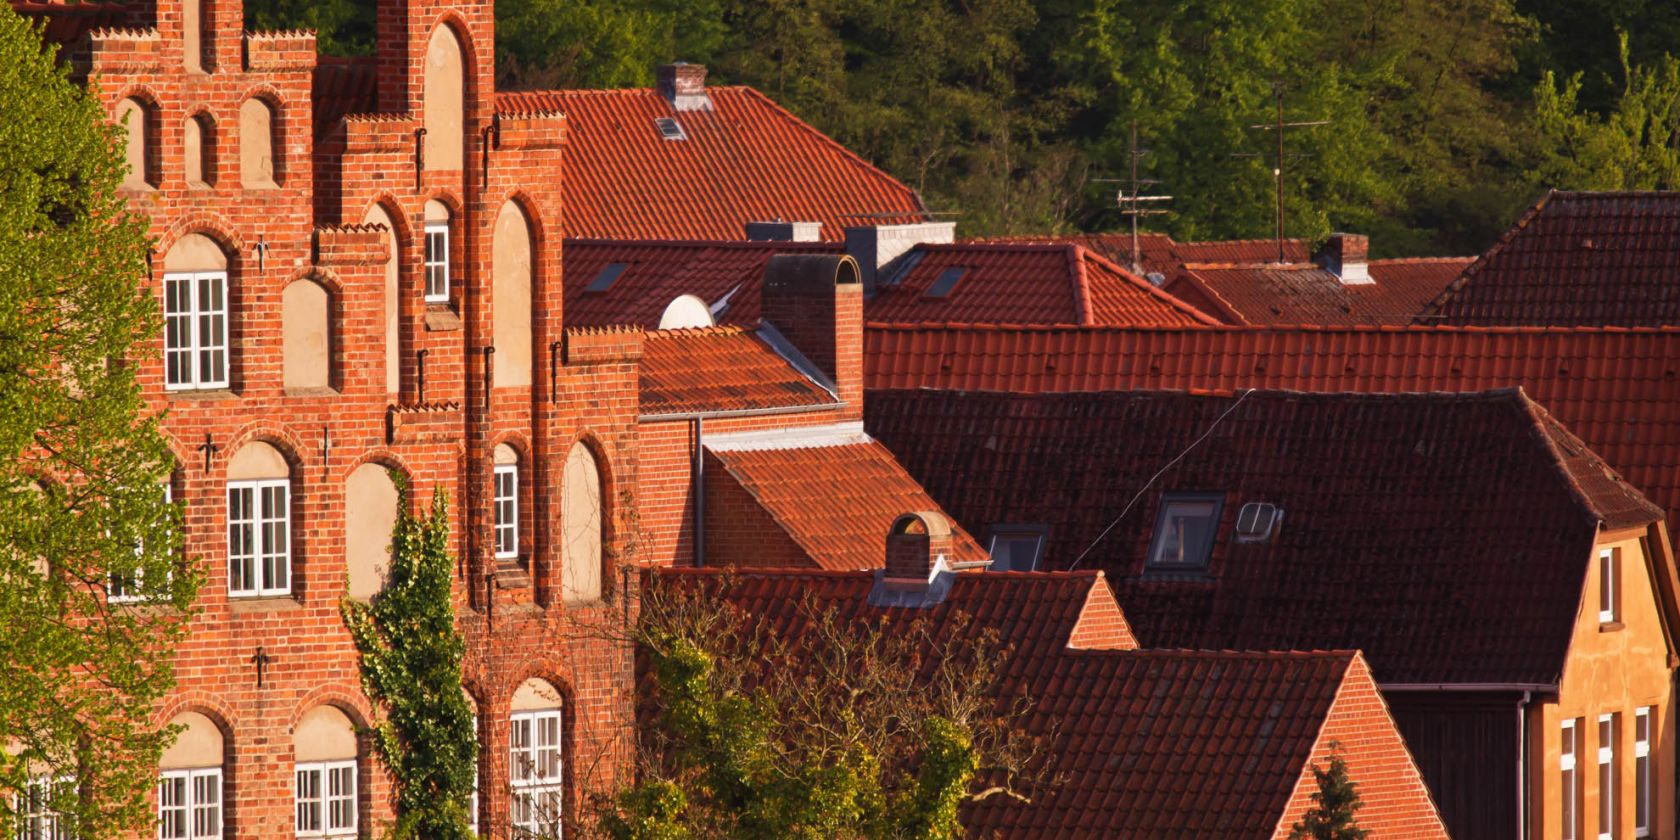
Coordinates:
<point>684,86</point>
<point>1345,255</point>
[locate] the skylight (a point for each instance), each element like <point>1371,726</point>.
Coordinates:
<point>947,281</point>
<point>606,278</point>
<point>1184,531</point>
<point>670,129</point>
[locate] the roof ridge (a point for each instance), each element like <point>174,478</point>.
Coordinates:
<point>1127,276</point>
<point>697,332</point>
<point>1074,329</point>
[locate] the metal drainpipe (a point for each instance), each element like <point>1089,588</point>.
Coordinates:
<point>699,494</point>
<point>1522,765</point>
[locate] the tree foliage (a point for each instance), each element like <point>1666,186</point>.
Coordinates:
<point>1335,810</point>
<point>843,729</point>
<point>82,460</point>
<point>411,653</point>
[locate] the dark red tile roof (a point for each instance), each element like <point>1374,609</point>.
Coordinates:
<point>656,272</point>
<point>1577,259</point>
<point>1305,293</point>
<point>1446,535</point>
<point>721,369</point>
<point>64,24</point>
<point>1023,283</point>
<point>747,160</point>
<point>1159,252</point>
<point>836,502</point>
<point>342,86</point>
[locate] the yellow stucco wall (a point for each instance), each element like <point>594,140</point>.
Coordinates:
<point>1610,669</point>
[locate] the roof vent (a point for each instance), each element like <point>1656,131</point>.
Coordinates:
<point>686,312</point>
<point>670,129</point>
<point>1257,521</point>
<point>1156,279</point>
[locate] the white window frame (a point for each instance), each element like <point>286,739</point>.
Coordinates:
<point>1607,798</point>
<point>506,501</point>
<point>117,580</point>
<point>437,261</point>
<point>200,808</point>
<point>1036,533</point>
<point>1569,779</point>
<point>1642,768</point>
<point>533,736</point>
<point>259,582</point>
<point>203,328</point>
<point>36,820</point>
<point>1609,581</point>
<point>324,774</point>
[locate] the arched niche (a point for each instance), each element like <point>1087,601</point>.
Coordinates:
<point>324,734</point>
<point>199,152</point>
<point>511,254</point>
<point>199,744</point>
<point>257,124</point>
<point>581,523</point>
<point>534,695</point>
<point>370,514</point>
<point>445,101</point>
<point>258,461</point>
<point>139,121</point>
<point>195,252</point>
<point>306,320</point>
<point>192,36</point>
<point>377,215</point>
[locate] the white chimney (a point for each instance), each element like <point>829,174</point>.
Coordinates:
<point>780,231</point>
<point>876,246</point>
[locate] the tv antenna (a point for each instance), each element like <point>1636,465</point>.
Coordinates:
<point>1279,126</point>
<point>1134,203</point>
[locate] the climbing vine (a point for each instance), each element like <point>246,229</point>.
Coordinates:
<point>411,652</point>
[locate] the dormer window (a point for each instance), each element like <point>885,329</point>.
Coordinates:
<point>670,129</point>
<point>1016,548</point>
<point>1184,531</point>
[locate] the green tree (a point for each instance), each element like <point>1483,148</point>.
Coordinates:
<point>82,461</point>
<point>342,27</point>
<point>411,652</point>
<point>1634,146</point>
<point>1334,814</point>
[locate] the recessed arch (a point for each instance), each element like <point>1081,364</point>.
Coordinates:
<point>139,119</point>
<point>582,523</point>
<point>444,102</point>
<point>371,506</point>
<point>195,252</point>
<point>256,461</point>
<point>536,694</point>
<point>200,743</point>
<point>379,215</point>
<point>199,150</point>
<point>511,252</point>
<point>325,733</point>
<point>306,321</point>
<point>259,124</point>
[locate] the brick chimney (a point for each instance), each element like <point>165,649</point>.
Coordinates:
<point>813,303</point>
<point>918,545</point>
<point>875,246</point>
<point>684,86</point>
<point>1344,255</point>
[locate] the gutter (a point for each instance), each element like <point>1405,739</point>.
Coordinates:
<point>1526,688</point>
<point>1522,765</point>
<point>742,412</point>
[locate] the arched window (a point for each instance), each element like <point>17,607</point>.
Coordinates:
<point>445,102</point>
<point>139,120</point>
<point>190,781</point>
<point>580,559</point>
<point>195,315</point>
<point>511,254</point>
<point>259,521</point>
<point>393,342</point>
<point>305,317</point>
<point>478,743</point>
<point>370,515</point>
<point>325,792</point>
<point>535,766</point>
<point>437,252</point>
<point>506,498</point>
<point>257,128</point>
<point>199,139</point>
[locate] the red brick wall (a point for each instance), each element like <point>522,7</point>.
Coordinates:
<point>1101,625</point>
<point>1397,805</point>
<point>739,532</point>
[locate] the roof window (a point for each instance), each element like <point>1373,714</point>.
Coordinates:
<point>604,280</point>
<point>1016,548</point>
<point>1184,531</point>
<point>670,129</point>
<point>1257,521</point>
<point>947,281</point>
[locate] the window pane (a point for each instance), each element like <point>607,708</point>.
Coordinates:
<point>308,800</point>
<point>172,808</point>
<point>1185,536</point>
<point>241,539</point>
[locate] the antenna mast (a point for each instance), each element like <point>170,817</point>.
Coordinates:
<point>1132,204</point>
<point>1277,171</point>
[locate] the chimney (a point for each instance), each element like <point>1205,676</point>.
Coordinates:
<point>1344,255</point>
<point>812,308</point>
<point>780,231</point>
<point>918,548</point>
<point>876,246</point>
<point>684,86</point>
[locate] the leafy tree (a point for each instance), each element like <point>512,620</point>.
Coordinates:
<point>845,728</point>
<point>82,461</point>
<point>1634,146</point>
<point>342,27</point>
<point>411,655</point>
<point>1334,813</point>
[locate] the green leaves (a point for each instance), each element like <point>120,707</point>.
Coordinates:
<point>1334,814</point>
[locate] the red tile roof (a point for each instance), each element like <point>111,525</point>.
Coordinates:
<point>837,503</point>
<point>1159,252</point>
<point>1577,259</point>
<point>721,369</point>
<point>342,86</point>
<point>747,160</point>
<point>1305,293</point>
<point>657,272</point>
<point>1023,283</point>
<point>64,24</point>
<point>1406,517</point>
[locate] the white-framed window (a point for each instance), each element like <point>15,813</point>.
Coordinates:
<point>259,538</point>
<point>472,804</point>
<point>1568,787</point>
<point>37,819</point>
<point>195,330</point>
<point>190,804</point>
<point>535,771</point>
<point>1184,531</point>
<point>326,799</point>
<point>1016,548</point>
<point>507,510</point>
<point>437,261</point>
<point>1607,777</point>
<point>1642,772</point>
<point>125,583</point>
<point>1609,580</point>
